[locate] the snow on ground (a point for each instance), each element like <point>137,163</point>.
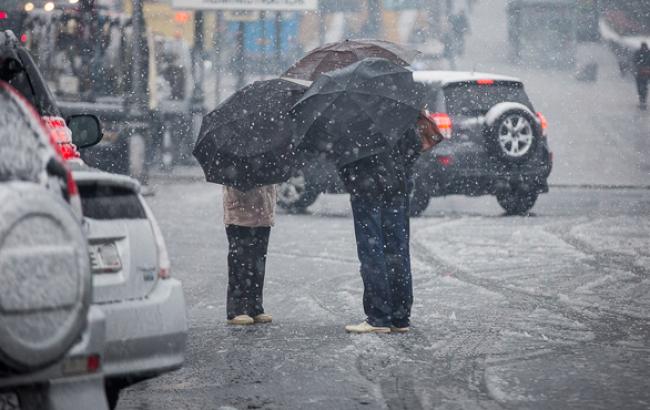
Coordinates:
<point>601,263</point>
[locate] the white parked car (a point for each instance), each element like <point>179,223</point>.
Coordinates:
<point>146,326</point>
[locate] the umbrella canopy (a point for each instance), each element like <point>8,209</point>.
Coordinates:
<point>358,111</point>
<point>333,56</point>
<point>248,139</point>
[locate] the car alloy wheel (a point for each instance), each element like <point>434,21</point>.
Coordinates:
<point>515,135</point>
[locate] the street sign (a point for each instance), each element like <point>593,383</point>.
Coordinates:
<point>402,4</point>
<point>339,6</point>
<point>241,15</point>
<point>274,5</point>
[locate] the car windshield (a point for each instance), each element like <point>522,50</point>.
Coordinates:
<point>470,98</point>
<point>107,202</point>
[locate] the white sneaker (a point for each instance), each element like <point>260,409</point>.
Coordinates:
<point>366,327</point>
<point>394,329</point>
<point>263,318</point>
<point>241,320</point>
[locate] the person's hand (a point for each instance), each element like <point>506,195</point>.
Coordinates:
<point>430,135</point>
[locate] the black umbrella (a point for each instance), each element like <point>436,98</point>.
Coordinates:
<point>248,139</point>
<point>358,111</point>
<point>333,56</point>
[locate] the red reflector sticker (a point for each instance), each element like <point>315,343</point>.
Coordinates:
<point>93,363</point>
<point>445,161</point>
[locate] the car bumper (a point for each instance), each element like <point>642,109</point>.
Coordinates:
<point>146,337</point>
<point>459,178</point>
<point>59,385</point>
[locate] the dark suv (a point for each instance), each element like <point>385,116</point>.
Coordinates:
<point>498,142</point>
<point>498,146</point>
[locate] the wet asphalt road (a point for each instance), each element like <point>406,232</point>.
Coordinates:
<point>550,311</point>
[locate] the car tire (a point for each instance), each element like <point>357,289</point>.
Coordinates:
<point>45,273</point>
<point>112,395</point>
<point>418,201</point>
<point>513,136</point>
<point>296,194</point>
<point>517,202</point>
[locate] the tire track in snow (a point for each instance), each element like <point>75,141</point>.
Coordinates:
<point>607,325</point>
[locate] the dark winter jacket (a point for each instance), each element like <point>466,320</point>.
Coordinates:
<point>641,62</point>
<point>385,177</point>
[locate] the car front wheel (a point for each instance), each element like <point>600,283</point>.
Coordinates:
<point>517,202</point>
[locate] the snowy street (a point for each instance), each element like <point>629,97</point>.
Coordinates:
<point>550,311</point>
<point>546,312</point>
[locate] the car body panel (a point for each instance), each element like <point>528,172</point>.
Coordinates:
<point>62,390</point>
<point>146,337</point>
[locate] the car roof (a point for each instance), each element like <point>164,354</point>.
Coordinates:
<point>85,175</point>
<point>446,77</point>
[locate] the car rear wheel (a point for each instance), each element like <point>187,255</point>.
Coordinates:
<point>297,193</point>
<point>513,137</point>
<point>517,202</point>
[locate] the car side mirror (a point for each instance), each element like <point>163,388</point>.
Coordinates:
<point>86,130</point>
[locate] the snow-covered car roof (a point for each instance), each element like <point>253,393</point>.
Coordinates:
<point>84,174</point>
<point>446,77</point>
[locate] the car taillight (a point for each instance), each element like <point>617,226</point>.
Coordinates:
<point>443,122</point>
<point>164,265</point>
<point>61,136</point>
<point>485,81</point>
<point>3,15</point>
<point>445,160</point>
<point>543,122</point>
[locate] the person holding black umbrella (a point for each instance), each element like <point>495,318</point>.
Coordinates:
<point>641,61</point>
<point>248,217</point>
<point>367,118</point>
<point>246,144</point>
<point>379,193</point>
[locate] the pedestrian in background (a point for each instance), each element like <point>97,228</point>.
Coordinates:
<point>641,61</point>
<point>248,217</point>
<point>379,193</point>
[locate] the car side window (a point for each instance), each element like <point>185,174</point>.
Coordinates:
<point>20,82</point>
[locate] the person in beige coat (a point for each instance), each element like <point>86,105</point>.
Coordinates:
<point>248,217</point>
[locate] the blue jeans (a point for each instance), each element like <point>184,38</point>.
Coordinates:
<point>382,234</point>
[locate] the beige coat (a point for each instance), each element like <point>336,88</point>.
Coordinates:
<point>252,208</point>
